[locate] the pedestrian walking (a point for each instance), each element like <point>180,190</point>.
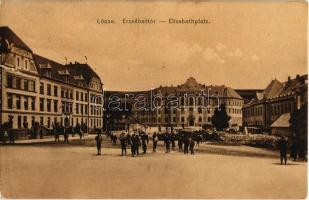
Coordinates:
<point>123,141</point>
<point>282,143</point>
<point>154,142</point>
<point>98,140</point>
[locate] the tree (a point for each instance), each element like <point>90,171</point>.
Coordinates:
<point>299,122</point>
<point>220,119</point>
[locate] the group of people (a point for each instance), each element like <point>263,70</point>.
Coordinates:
<point>58,130</point>
<point>8,133</point>
<point>141,139</point>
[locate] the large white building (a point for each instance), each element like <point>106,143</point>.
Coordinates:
<point>37,89</point>
<point>184,105</point>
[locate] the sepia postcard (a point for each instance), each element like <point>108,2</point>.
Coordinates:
<point>149,99</point>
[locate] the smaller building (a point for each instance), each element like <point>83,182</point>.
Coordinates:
<point>278,98</point>
<point>282,126</point>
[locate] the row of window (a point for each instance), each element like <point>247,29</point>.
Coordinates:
<point>276,109</point>
<point>18,83</point>
<point>65,92</point>
<point>172,120</point>
<point>279,109</point>
<point>255,111</point>
<point>22,121</point>
<point>20,102</point>
<point>234,111</point>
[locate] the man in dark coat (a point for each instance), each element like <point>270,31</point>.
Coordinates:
<point>186,144</point>
<point>173,137</point>
<point>145,140</point>
<point>180,141</point>
<point>154,142</point>
<point>137,144</point>
<point>11,134</point>
<point>98,140</point>
<point>282,143</point>
<point>191,145</point>
<point>133,144</point>
<point>167,141</point>
<point>123,141</point>
<point>66,135</point>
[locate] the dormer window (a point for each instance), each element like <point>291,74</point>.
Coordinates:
<point>79,77</point>
<point>45,66</point>
<point>63,72</point>
<point>47,74</point>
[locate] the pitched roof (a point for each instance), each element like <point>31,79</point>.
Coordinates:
<point>191,85</point>
<point>54,67</point>
<point>292,85</point>
<point>75,75</point>
<point>7,34</point>
<point>273,89</point>
<point>282,122</point>
<point>84,69</point>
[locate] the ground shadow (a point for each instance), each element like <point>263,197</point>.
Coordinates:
<point>286,164</point>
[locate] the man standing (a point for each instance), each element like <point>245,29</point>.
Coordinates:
<point>123,140</point>
<point>154,142</point>
<point>56,132</point>
<point>173,137</point>
<point>180,141</point>
<point>167,141</point>
<point>66,135</point>
<point>191,145</point>
<point>145,141</point>
<point>133,143</point>
<point>282,143</point>
<point>137,144</point>
<point>98,140</point>
<point>186,144</point>
<point>11,134</point>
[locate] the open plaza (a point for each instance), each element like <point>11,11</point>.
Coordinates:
<point>75,171</point>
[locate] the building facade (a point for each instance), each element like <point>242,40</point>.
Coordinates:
<point>277,99</point>
<point>37,89</point>
<point>185,105</point>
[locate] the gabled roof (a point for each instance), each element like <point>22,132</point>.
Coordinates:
<point>7,34</point>
<point>273,89</point>
<point>192,86</point>
<point>282,122</point>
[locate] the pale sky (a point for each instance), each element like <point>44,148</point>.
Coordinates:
<point>245,45</point>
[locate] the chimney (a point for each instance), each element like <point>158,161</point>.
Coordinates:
<point>289,78</point>
<point>297,76</point>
